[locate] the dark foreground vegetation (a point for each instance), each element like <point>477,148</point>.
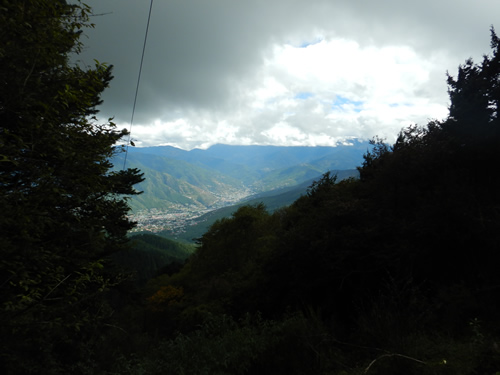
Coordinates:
<point>392,273</point>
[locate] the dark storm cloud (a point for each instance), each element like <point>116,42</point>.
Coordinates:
<point>195,49</point>
<point>204,55</point>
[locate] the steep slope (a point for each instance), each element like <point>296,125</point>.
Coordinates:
<point>272,200</point>
<point>176,184</point>
<point>289,176</point>
<point>163,191</point>
<point>149,254</point>
<point>251,162</point>
<point>223,174</point>
<point>265,158</point>
<point>222,163</point>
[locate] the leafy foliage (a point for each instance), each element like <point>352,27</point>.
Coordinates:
<point>399,267</point>
<point>62,207</point>
<point>149,255</point>
<point>250,345</point>
<point>394,272</point>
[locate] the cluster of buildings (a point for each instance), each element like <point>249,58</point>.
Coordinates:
<point>173,220</point>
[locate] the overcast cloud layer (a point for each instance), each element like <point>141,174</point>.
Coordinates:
<point>282,72</point>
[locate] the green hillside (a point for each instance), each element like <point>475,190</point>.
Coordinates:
<point>272,200</point>
<point>394,272</point>
<point>207,159</point>
<point>289,176</point>
<point>200,179</point>
<point>163,191</point>
<point>176,184</point>
<point>310,267</point>
<point>195,175</point>
<point>149,254</point>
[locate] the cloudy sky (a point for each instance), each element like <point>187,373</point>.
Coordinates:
<point>282,72</point>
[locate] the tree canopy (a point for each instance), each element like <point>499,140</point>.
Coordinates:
<point>394,272</point>
<point>403,260</point>
<point>63,207</point>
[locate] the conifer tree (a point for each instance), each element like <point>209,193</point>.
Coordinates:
<point>63,209</point>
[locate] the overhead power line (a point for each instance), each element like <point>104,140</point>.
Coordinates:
<point>137,87</point>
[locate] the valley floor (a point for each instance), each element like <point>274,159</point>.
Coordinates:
<point>174,221</point>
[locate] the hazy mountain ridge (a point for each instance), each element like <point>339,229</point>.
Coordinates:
<point>223,174</point>
<point>262,158</point>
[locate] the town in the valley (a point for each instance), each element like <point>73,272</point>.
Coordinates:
<point>176,218</point>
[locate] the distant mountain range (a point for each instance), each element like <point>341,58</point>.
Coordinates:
<point>222,175</point>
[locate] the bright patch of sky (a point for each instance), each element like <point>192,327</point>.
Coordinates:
<point>344,104</point>
<point>283,72</point>
<point>310,43</point>
<point>304,95</point>
<point>315,96</point>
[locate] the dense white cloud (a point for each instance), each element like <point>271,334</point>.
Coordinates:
<point>283,72</point>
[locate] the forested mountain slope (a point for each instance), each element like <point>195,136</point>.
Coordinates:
<point>395,272</point>
<point>149,254</point>
<point>240,160</point>
<point>272,200</point>
<point>173,184</point>
<point>63,210</point>
<point>224,174</point>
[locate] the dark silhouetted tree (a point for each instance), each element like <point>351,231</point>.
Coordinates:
<point>62,207</point>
